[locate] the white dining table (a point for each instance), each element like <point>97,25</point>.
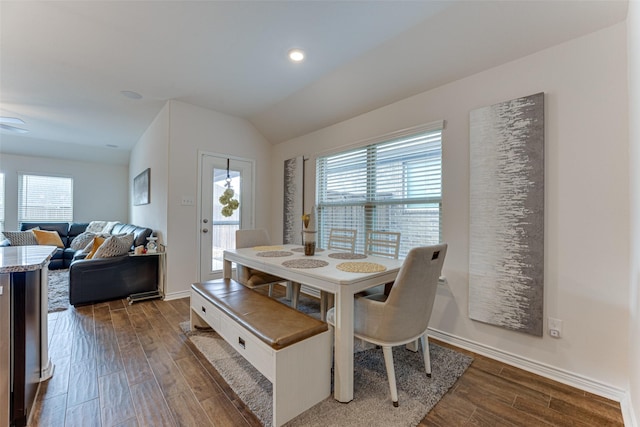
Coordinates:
<point>344,285</point>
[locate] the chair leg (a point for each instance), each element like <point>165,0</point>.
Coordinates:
<point>424,340</point>
<point>391,373</point>
<point>295,294</point>
<point>326,302</point>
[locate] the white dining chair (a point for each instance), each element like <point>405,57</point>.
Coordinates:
<point>403,316</point>
<point>384,244</point>
<point>250,277</point>
<point>341,239</point>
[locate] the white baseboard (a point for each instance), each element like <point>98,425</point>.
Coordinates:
<point>628,414</point>
<point>178,295</point>
<point>553,373</point>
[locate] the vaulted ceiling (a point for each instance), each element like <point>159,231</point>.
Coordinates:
<point>64,64</point>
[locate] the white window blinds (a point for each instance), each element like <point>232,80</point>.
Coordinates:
<point>394,185</point>
<point>45,199</point>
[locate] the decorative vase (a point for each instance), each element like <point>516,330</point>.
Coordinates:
<point>309,240</point>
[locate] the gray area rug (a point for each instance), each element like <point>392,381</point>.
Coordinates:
<point>371,405</point>
<point>58,290</point>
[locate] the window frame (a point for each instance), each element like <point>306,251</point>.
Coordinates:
<point>22,210</point>
<point>429,134</point>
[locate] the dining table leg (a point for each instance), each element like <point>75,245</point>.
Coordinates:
<point>226,269</point>
<point>343,347</point>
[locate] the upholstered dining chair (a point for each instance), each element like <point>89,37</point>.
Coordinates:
<point>403,316</point>
<point>248,276</point>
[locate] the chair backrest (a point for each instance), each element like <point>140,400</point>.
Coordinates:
<point>251,238</point>
<point>343,239</point>
<point>405,314</point>
<point>382,243</point>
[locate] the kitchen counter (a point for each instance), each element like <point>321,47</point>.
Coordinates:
<point>24,355</point>
<point>15,259</point>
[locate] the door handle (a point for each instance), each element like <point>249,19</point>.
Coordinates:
<point>205,230</point>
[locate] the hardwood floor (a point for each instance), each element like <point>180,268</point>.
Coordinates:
<point>131,365</point>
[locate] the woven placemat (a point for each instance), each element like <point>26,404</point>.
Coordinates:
<point>347,255</point>
<point>361,267</point>
<point>305,263</point>
<point>302,250</point>
<point>273,254</point>
<point>268,248</point>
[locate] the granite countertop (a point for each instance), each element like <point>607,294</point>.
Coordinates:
<point>15,259</point>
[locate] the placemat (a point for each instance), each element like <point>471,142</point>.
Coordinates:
<point>361,267</point>
<point>268,248</point>
<point>347,255</point>
<point>302,250</point>
<point>274,254</point>
<point>305,263</point>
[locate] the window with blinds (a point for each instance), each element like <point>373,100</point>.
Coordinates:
<point>1,202</point>
<point>392,185</point>
<point>45,198</point>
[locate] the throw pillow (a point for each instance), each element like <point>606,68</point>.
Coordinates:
<point>96,226</point>
<point>21,238</point>
<point>82,240</point>
<point>109,226</point>
<point>115,246</point>
<point>97,242</point>
<point>46,237</point>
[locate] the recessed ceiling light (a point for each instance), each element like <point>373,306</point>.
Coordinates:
<point>296,55</point>
<point>131,94</point>
<point>12,129</point>
<point>12,120</point>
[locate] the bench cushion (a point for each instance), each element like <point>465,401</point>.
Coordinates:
<point>276,324</point>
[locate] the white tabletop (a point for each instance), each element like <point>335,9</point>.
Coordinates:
<point>328,278</point>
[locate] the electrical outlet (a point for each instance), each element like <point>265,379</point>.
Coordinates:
<point>555,327</point>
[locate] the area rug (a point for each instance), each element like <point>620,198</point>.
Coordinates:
<point>58,290</point>
<point>371,405</point>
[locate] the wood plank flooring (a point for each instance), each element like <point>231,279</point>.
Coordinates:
<point>131,365</point>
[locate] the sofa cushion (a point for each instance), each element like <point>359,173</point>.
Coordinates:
<point>20,238</point>
<point>46,237</point>
<point>114,246</point>
<point>140,234</point>
<point>82,240</point>
<point>61,227</point>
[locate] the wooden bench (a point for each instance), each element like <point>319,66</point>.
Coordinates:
<point>290,348</point>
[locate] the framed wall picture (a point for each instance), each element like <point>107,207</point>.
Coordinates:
<point>142,188</point>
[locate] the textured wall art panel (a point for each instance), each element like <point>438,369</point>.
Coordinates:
<point>293,199</point>
<point>506,253</point>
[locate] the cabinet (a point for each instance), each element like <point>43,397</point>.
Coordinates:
<point>24,357</point>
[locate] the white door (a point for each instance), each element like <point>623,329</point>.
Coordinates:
<point>218,224</point>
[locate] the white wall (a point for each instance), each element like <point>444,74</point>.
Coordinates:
<point>99,190</point>
<point>633,49</point>
<point>587,204</point>
<point>152,151</point>
<point>170,146</point>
